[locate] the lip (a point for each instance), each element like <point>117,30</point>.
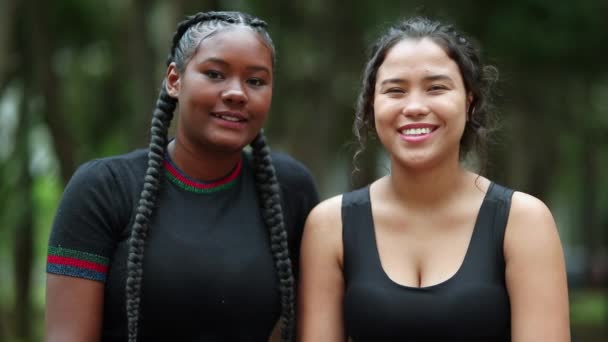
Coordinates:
<point>418,125</point>
<point>417,138</point>
<point>237,124</point>
<point>235,114</point>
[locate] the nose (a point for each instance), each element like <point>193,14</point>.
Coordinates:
<point>234,94</point>
<point>415,105</point>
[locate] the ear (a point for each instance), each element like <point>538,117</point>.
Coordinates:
<point>173,80</point>
<point>470,100</point>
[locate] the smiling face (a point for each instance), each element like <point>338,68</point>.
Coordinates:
<point>420,104</point>
<point>224,92</point>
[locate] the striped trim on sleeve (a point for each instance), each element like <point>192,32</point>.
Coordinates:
<point>69,262</point>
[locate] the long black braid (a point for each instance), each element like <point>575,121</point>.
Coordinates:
<point>185,41</point>
<point>272,213</point>
<point>161,118</point>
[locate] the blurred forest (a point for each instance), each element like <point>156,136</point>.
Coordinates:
<point>79,79</point>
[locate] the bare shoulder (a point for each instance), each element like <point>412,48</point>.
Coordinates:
<point>325,221</point>
<point>529,213</point>
<point>530,225</point>
<point>321,283</point>
<point>323,229</point>
<point>326,214</point>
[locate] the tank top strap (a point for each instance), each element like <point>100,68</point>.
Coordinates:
<point>486,246</point>
<point>501,197</point>
<point>357,233</point>
<point>486,267</point>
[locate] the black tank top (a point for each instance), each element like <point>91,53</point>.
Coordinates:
<point>473,305</point>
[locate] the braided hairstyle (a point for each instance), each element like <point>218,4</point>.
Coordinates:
<point>186,40</point>
<point>478,79</point>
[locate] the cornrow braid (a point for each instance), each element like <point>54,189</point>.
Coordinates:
<point>192,20</point>
<point>272,213</point>
<point>182,49</point>
<point>187,37</point>
<point>161,119</point>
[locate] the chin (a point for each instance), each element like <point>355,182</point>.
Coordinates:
<point>415,161</point>
<point>223,145</point>
<point>232,147</point>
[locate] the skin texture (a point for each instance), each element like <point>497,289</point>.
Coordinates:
<point>230,72</point>
<point>74,309</point>
<point>419,84</point>
<point>425,210</point>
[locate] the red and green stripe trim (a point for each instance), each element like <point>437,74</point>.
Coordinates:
<point>188,184</point>
<point>69,262</point>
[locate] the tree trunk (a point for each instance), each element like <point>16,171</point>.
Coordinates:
<point>42,48</point>
<point>24,239</point>
<point>8,9</point>
<point>142,70</point>
<point>8,13</point>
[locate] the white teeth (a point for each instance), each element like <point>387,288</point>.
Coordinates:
<point>417,131</point>
<point>230,118</point>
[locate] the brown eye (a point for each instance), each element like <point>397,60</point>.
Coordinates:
<point>437,87</point>
<point>213,74</point>
<point>394,90</point>
<point>256,82</point>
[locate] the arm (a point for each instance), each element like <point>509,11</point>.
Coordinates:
<point>321,287</point>
<point>80,247</point>
<point>535,273</point>
<point>74,308</point>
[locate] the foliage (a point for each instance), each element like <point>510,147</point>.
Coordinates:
<point>78,80</point>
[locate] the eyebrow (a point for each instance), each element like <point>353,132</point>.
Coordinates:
<point>226,64</point>
<point>438,77</point>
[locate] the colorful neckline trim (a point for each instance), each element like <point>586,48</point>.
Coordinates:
<point>178,178</point>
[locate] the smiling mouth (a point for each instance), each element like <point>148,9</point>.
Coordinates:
<point>414,132</point>
<point>229,117</point>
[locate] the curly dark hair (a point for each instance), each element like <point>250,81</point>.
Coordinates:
<point>478,80</point>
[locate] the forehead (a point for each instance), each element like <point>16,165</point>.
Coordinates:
<point>417,56</point>
<point>241,43</point>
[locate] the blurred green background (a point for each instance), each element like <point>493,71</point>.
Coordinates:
<point>79,78</point>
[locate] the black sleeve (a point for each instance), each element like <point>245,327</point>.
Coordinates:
<point>86,224</point>
<point>299,195</point>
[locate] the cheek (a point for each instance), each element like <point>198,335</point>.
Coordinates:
<point>203,96</point>
<point>458,118</point>
<point>452,108</point>
<point>384,113</point>
<point>263,101</point>
<point>268,101</point>
<point>377,116</point>
<point>382,125</point>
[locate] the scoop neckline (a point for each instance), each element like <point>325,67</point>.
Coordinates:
<point>444,282</point>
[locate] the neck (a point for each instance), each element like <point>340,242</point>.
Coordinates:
<point>200,164</point>
<point>429,187</point>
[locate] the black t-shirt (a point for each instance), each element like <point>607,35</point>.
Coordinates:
<point>208,272</point>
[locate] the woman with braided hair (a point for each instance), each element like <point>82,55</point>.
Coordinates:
<point>190,239</point>
<point>431,251</point>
